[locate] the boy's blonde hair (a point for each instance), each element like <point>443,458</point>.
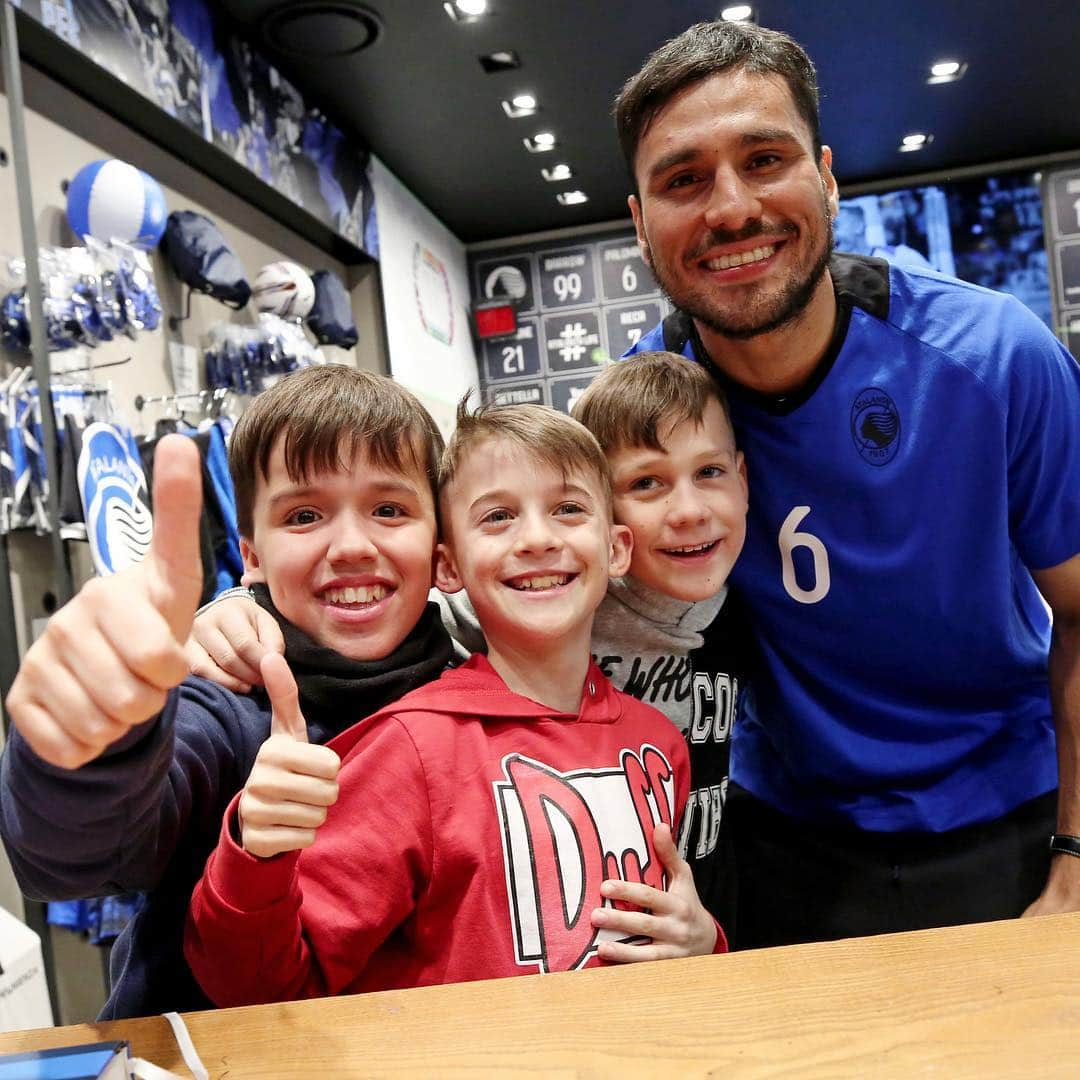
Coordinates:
<point>628,401</point>
<point>328,414</point>
<point>552,437</point>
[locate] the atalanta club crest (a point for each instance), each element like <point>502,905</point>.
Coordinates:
<point>875,426</point>
<point>114,497</point>
<point>564,834</point>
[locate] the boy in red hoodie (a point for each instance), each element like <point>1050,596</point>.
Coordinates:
<point>514,816</point>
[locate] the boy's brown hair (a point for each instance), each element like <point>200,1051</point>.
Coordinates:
<point>327,415</point>
<point>628,401</point>
<point>553,437</point>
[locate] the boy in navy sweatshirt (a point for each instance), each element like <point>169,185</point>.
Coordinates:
<point>118,768</point>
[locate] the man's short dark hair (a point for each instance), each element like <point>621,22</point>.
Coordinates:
<point>707,49</point>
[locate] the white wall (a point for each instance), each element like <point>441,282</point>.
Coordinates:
<point>425,287</point>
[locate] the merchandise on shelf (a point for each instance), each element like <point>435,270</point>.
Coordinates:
<point>89,295</point>
<point>248,359</point>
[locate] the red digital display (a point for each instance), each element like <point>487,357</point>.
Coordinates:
<point>497,320</point>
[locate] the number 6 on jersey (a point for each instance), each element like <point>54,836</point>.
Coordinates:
<point>790,539</point>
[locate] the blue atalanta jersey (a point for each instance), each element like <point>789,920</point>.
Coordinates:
<point>895,506</point>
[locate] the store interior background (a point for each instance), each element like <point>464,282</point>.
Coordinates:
<point>455,188</point>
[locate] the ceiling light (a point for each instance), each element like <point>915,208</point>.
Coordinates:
<point>946,71</point>
<point>572,198</point>
<point>503,60</point>
<point>465,10</point>
<point>557,172</point>
<point>738,13</point>
<point>540,142</point>
<point>917,140</point>
<point>520,105</point>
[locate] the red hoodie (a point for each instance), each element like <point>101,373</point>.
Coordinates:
<point>472,832</point>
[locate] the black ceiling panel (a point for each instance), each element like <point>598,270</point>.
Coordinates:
<point>420,98</point>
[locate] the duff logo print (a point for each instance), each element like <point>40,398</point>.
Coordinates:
<point>565,833</point>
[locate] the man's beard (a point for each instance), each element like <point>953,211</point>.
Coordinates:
<point>752,318</point>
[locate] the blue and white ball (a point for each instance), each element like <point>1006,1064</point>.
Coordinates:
<point>112,200</point>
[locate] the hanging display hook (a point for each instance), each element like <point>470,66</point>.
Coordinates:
<point>176,320</point>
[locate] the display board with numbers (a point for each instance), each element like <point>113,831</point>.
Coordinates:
<point>1061,198</point>
<point>580,302</point>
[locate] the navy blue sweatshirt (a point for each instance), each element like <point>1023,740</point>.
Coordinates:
<point>146,814</point>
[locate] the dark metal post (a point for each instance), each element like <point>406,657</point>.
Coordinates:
<point>38,342</point>
<point>62,580</point>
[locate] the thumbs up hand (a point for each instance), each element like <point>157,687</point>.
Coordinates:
<point>108,658</point>
<point>292,783</point>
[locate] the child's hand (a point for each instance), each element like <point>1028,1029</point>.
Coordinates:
<point>292,782</point>
<point>675,920</point>
<point>108,658</point>
<point>229,640</point>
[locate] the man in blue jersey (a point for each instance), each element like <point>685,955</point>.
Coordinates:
<point>914,487</point>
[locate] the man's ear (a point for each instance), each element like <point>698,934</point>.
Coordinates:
<point>828,182</point>
<point>622,547</point>
<point>447,578</point>
<point>253,572</point>
<point>639,227</point>
<point>740,468</point>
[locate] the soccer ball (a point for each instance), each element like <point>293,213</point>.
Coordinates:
<point>112,200</point>
<point>284,289</point>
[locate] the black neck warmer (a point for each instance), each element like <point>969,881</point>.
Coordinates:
<point>336,692</point>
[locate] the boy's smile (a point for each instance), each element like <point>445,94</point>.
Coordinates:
<point>686,505</point>
<point>533,547</point>
<point>346,555</point>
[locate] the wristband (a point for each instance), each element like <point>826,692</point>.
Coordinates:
<point>228,594</point>
<point>1061,844</point>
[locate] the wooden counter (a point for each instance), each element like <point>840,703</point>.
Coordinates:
<point>999,999</point>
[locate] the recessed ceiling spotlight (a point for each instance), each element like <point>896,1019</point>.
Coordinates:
<point>502,60</point>
<point>557,172</point>
<point>572,198</point>
<point>520,105</point>
<point>541,142</point>
<point>465,10</point>
<point>917,140</point>
<point>946,71</point>
<point>738,13</point>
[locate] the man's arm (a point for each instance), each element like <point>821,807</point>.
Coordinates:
<point>1060,585</point>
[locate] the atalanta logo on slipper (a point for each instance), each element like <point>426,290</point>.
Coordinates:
<point>113,491</point>
<point>875,426</point>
